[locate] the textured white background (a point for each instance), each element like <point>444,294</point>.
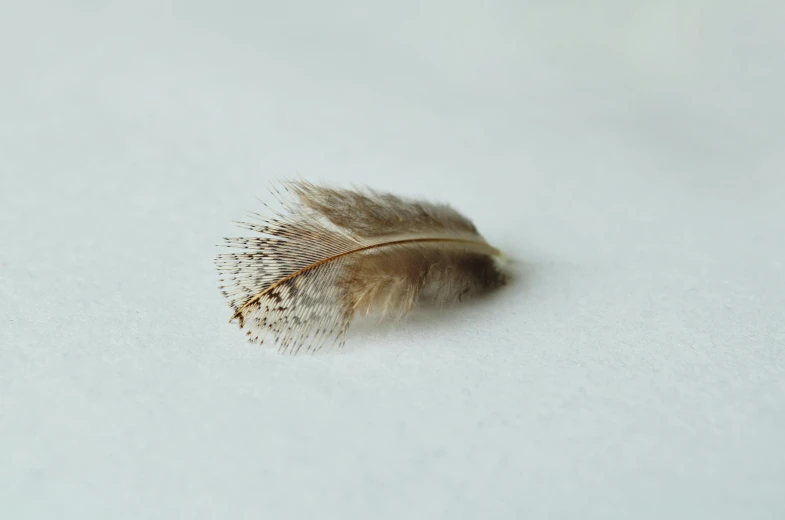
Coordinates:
<point>632,154</point>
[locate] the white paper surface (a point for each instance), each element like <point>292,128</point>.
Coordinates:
<point>630,154</point>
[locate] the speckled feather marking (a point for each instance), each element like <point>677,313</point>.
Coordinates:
<point>332,253</point>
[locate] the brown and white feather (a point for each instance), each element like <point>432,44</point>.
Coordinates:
<point>330,254</point>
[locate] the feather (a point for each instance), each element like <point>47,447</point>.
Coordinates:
<point>330,254</point>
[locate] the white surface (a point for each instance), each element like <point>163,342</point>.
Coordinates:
<point>632,154</point>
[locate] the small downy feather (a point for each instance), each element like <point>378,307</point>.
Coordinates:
<point>329,254</point>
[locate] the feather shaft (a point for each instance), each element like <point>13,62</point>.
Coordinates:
<point>481,246</point>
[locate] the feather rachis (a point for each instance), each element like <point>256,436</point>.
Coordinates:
<point>331,254</point>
